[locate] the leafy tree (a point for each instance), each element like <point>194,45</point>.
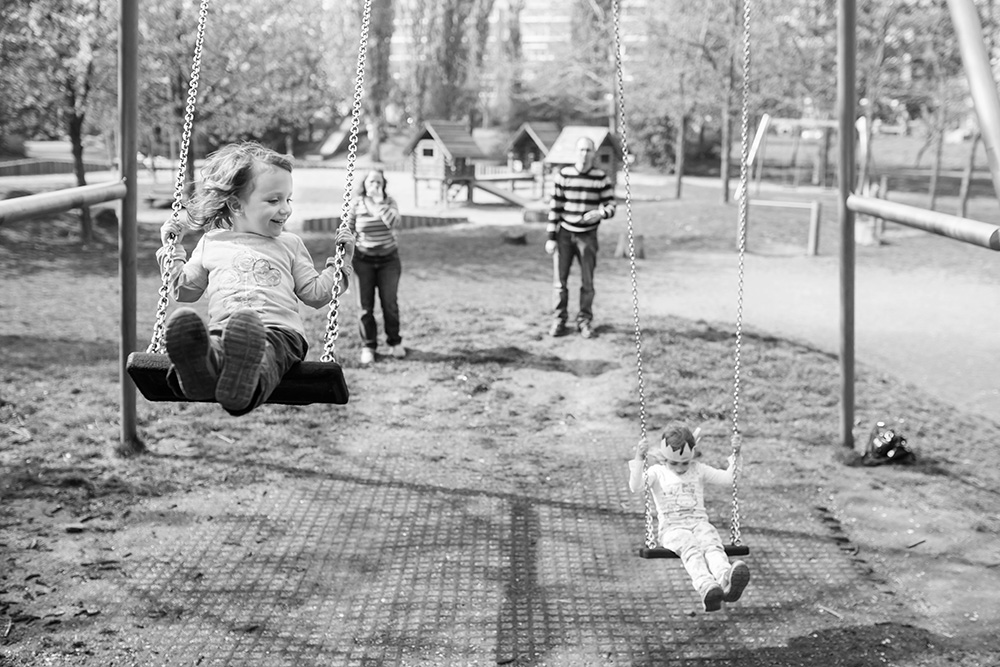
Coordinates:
<point>447,38</point>
<point>63,51</point>
<point>686,78</point>
<point>504,61</point>
<point>378,81</point>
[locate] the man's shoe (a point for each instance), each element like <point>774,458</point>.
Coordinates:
<point>398,351</point>
<point>558,329</point>
<point>586,330</point>
<point>735,581</point>
<point>367,356</point>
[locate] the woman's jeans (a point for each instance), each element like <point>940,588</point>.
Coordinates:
<point>378,273</point>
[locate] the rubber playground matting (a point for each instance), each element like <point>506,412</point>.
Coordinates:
<point>357,571</point>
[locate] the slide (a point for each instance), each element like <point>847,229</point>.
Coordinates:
<point>497,191</point>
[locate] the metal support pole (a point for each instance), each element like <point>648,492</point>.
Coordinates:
<point>846,73</point>
<point>128,114</point>
<point>982,86</point>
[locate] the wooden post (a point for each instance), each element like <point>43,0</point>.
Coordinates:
<point>622,250</point>
<point>814,212</point>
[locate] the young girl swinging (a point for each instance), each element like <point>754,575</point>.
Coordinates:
<point>254,274</point>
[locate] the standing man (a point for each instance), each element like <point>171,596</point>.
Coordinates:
<point>583,197</point>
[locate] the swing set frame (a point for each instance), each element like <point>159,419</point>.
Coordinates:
<point>123,190</point>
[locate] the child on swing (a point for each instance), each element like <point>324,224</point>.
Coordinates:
<point>677,483</point>
<point>254,273</point>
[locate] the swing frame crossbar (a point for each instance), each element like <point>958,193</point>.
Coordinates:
<point>661,552</point>
<point>305,383</point>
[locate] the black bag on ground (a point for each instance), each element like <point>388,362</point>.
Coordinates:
<point>886,445</point>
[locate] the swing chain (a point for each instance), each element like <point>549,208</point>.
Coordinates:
<point>156,342</point>
<point>333,324</point>
<point>734,526</point>
<point>623,132</point>
<point>156,345</point>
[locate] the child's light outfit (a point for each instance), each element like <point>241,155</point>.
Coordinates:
<point>684,526</point>
<point>256,333</point>
<point>377,267</point>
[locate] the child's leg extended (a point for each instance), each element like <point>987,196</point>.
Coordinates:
<point>733,578</point>
<point>684,543</point>
<point>710,542</point>
<point>282,350</point>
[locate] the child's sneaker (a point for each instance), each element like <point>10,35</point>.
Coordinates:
<point>712,595</point>
<point>189,350</point>
<point>367,356</point>
<point>397,351</point>
<point>735,580</point>
<point>243,342</point>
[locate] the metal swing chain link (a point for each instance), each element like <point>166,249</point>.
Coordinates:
<point>159,326</point>
<point>737,443</point>
<point>623,131</point>
<point>333,320</point>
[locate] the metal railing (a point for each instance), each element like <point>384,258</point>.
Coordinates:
<point>29,206</point>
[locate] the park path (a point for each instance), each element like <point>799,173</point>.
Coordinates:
<point>936,331</point>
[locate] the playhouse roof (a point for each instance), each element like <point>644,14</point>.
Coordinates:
<point>453,137</point>
<point>543,133</point>
<point>563,151</point>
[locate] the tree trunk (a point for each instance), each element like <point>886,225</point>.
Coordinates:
<point>727,134</point>
<point>679,154</point>
<point>727,147</point>
<point>189,167</point>
<point>963,195</point>
<point>375,140</point>
<point>793,162</point>
<point>936,167</point>
<point>76,141</point>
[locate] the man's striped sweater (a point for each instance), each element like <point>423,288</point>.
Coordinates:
<point>575,194</point>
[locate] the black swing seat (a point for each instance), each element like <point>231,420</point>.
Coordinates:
<point>660,552</point>
<point>305,383</point>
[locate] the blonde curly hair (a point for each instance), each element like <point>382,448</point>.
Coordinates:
<point>227,176</point>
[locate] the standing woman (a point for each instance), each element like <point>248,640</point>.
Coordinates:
<point>373,218</point>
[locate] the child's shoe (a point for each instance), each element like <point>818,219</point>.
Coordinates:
<point>243,342</point>
<point>711,595</point>
<point>367,356</point>
<point>735,580</point>
<point>397,351</point>
<point>190,352</point>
